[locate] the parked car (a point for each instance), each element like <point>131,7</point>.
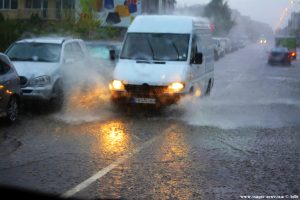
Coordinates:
<point>235,44</point>
<point>107,50</point>
<point>228,45</point>
<point>219,48</point>
<point>279,55</point>
<point>40,61</point>
<point>10,91</point>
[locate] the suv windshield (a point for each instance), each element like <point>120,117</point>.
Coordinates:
<point>156,46</point>
<point>36,52</point>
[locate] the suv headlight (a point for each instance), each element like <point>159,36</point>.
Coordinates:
<point>175,87</point>
<point>41,81</point>
<point>116,85</point>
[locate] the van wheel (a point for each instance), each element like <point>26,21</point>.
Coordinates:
<point>209,87</point>
<point>12,110</point>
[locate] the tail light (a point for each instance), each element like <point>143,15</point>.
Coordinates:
<point>293,54</point>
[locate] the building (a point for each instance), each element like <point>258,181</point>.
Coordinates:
<point>293,27</point>
<point>294,23</point>
<point>46,9</point>
<point>58,9</point>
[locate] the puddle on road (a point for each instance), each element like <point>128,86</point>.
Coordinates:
<point>9,146</point>
<point>231,114</point>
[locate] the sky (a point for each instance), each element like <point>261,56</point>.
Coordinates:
<point>268,11</point>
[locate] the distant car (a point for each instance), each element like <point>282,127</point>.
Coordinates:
<point>10,91</point>
<point>40,62</point>
<point>263,41</point>
<point>235,45</point>
<point>242,43</point>
<point>290,43</point>
<point>106,50</point>
<point>228,44</point>
<point>279,55</point>
<point>219,48</point>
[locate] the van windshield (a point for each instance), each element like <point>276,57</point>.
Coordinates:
<point>156,46</point>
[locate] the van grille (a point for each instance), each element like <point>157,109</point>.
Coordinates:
<point>145,89</point>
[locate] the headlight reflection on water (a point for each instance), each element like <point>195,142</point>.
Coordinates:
<point>114,137</point>
<point>174,156</point>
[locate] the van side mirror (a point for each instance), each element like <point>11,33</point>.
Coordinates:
<point>112,54</point>
<point>198,59</point>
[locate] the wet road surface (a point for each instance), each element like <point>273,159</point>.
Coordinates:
<point>242,140</point>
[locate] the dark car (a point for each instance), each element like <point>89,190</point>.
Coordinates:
<point>105,50</point>
<point>279,55</point>
<point>10,91</point>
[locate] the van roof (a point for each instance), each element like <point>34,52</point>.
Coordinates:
<point>167,24</point>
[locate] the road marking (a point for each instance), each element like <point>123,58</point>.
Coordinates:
<point>107,169</point>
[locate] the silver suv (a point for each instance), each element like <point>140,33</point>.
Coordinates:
<point>39,63</point>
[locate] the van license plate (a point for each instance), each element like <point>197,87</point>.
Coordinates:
<point>144,100</point>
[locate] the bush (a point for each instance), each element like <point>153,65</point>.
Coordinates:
<point>85,28</point>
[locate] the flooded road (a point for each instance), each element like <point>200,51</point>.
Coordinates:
<point>242,140</point>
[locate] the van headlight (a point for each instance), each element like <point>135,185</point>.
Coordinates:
<point>116,85</point>
<point>175,87</point>
<point>41,81</point>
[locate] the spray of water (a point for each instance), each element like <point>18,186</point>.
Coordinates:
<point>86,91</point>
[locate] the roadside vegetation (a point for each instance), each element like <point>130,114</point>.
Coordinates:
<point>219,12</point>
<point>85,27</point>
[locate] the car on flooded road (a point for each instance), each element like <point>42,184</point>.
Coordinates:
<point>10,91</point>
<point>160,63</point>
<point>279,55</point>
<point>41,65</point>
<point>290,43</point>
<point>104,50</point>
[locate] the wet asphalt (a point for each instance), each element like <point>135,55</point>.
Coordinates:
<point>243,140</point>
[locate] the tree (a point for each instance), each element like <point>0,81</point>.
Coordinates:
<point>87,24</point>
<point>219,13</point>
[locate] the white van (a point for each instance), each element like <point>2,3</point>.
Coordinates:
<point>162,59</point>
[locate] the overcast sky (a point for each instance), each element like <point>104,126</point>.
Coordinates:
<point>268,11</point>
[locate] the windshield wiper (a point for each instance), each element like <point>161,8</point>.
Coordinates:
<point>152,51</point>
<point>175,47</point>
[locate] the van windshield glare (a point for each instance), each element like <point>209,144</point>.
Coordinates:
<point>156,46</point>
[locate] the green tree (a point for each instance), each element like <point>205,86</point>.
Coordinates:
<point>219,13</point>
<point>87,24</point>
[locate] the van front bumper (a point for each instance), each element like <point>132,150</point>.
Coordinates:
<point>163,99</point>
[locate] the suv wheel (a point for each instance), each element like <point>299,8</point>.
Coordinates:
<point>12,109</point>
<point>58,95</point>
